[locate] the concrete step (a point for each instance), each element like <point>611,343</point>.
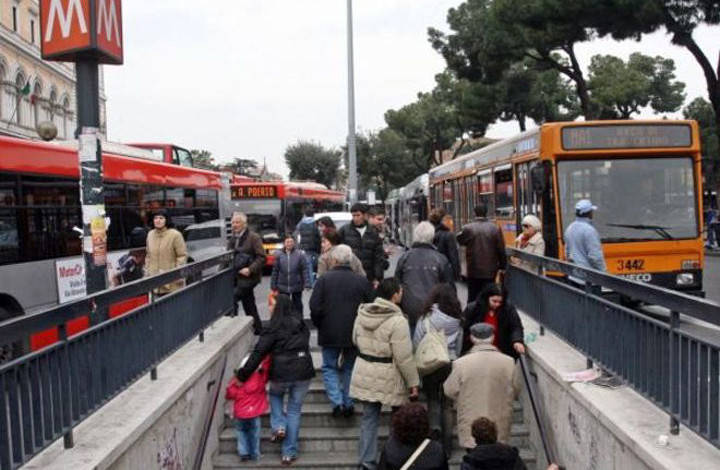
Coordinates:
<point>336,461</point>
<point>326,439</point>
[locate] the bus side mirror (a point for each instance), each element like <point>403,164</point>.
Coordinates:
<point>538,178</point>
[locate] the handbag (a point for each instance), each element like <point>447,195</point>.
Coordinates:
<point>415,454</point>
<point>241,260</point>
<point>432,352</point>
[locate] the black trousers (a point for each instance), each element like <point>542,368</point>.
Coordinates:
<point>246,296</point>
<point>475,285</point>
<point>439,407</point>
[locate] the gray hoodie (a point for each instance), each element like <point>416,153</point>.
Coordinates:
<point>445,323</point>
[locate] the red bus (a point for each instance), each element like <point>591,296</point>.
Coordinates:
<point>274,208</point>
<point>168,153</point>
<point>39,209</point>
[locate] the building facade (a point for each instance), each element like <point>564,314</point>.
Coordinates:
<point>33,90</point>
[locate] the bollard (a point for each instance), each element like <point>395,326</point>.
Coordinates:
<point>201,336</point>
<point>153,373</point>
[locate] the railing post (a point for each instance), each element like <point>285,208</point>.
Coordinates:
<point>674,350</point>
<point>589,290</point>
<point>68,439</point>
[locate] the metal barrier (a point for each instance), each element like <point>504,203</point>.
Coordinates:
<point>676,370</point>
<point>43,395</point>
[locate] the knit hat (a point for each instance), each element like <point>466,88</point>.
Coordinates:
<point>482,330</point>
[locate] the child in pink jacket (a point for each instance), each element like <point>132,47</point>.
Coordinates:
<point>250,402</point>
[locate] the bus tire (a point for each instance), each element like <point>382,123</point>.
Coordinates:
<point>16,349</point>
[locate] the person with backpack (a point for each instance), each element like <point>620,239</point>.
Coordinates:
<point>441,315</point>
<point>308,238</point>
<point>249,403</point>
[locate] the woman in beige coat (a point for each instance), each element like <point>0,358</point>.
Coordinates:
<point>384,372</point>
<point>165,251</point>
<point>530,241</point>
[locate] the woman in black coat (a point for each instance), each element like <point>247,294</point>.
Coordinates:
<point>410,428</point>
<point>492,307</point>
<point>287,340</point>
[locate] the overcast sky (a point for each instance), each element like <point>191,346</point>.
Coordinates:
<point>246,78</point>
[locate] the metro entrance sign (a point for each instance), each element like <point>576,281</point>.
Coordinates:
<point>73,30</point>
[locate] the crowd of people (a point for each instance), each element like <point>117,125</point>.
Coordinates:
<point>384,339</point>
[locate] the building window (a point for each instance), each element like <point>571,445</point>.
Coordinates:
<point>14,18</point>
<point>32,31</point>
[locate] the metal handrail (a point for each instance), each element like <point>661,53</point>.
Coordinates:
<point>550,456</point>
<point>19,327</point>
<point>687,304</point>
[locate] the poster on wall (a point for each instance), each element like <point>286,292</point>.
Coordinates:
<point>125,266</point>
<point>70,275</point>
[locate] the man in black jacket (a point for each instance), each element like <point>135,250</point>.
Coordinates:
<point>444,240</point>
<point>333,308</point>
<point>419,270</point>
<point>364,241</point>
<point>248,261</point>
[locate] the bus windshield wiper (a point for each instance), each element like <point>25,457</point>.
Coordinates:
<point>662,231</point>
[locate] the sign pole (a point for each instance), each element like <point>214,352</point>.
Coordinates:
<point>92,195</point>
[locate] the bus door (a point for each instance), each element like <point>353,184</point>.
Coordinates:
<point>528,201</point>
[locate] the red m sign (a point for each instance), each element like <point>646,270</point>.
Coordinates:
<point>71,29</point>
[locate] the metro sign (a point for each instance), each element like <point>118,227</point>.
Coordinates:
<point>71,30</point>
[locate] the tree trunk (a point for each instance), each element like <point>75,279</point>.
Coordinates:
<point>581,84</point>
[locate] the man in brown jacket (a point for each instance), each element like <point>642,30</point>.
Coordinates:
<point>249,261</point>
<point>484,253</point>
<point>165,250</point>
<point>483,383</point>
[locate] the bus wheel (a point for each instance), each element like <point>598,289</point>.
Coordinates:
<point>14,350</point>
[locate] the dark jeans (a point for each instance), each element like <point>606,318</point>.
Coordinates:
<point>246,295</point>
<point>439,407</point>
<point>297,304</point>
<point>475,285</point>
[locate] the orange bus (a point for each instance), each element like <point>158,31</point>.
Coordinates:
<point>274,208</point>
<point>40,262</point>
<point>644,176</point>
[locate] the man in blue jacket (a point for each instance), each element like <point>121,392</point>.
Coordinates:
<point>582,240</point>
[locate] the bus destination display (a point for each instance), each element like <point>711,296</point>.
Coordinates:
<point>254,192</point>
<point>626,136</point>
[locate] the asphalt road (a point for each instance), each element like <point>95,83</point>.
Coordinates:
<point>711,278</point>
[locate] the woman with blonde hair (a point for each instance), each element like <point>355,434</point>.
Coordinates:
<point>530,241</point>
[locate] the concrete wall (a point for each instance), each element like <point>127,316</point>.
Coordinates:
<point>159,424</point>
<point>593,427</point>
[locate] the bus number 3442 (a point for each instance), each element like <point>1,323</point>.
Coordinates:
<point>630,264</point>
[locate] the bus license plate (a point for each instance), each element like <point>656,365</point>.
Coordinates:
<point>630,265</point>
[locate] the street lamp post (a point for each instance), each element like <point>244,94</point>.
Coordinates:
<point>352,159</point>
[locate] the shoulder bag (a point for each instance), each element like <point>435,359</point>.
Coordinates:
<point>432,352</point>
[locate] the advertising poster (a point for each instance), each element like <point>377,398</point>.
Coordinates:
<point>70,275</point>
<point>125,266</point>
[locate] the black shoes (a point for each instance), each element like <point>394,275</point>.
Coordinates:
<point>338,411</point>
<point>349,412</point>
<point>345,412</point>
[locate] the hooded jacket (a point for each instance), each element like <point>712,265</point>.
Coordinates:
<point>381,331</point>
<point>445,323</point>
<point>250,398</point>
<point>493,457</point>
<point>290,272</point>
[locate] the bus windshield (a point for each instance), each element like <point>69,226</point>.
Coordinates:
<point>638,199</point>
<point>264,218</point>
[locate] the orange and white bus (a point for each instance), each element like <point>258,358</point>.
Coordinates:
<point>644,176</point>
<point>274,208</point>
<point>40,263</point>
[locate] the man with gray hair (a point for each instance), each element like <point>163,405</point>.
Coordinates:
<point>483,382</point>
<point>419,270</point>
<point>333,307</point>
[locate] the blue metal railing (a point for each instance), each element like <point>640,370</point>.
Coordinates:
<point>43,395</point>
<point>671,366</point>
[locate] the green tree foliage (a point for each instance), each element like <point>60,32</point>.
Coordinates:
<point>313,162</point>
<point>203,159</point>
<point>623,88</point>
<point>243,166</point>
<point>702,111</point>
<point>384,162</point>
<point>630,19</point>
<point>488,37</point>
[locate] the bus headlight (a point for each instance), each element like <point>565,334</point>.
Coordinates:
<point>685,279</point>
